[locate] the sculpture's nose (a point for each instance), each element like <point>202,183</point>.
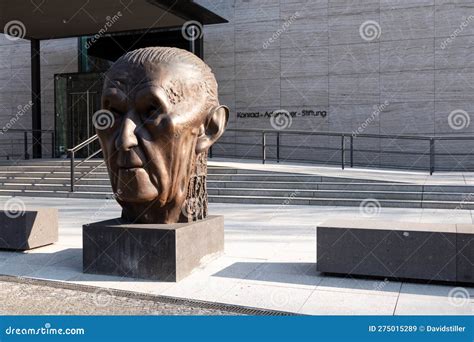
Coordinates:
<point>127,139</point>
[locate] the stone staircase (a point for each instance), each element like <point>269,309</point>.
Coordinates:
<point>50,178</point>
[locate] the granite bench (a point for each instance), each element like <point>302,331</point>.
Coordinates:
<point>403,250</point>
<point>28,229</point>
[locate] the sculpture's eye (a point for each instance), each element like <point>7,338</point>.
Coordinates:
<point>114,105</point>
<point>154,109</point>
<point>152,112</point>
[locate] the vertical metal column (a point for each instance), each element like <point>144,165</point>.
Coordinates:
<point>196,41</point>
<point>432,156</point>
<point>192,46</point>
<point>36,97</point>
<point>53,145</point>
<point>25,143</point>
<point>343,151</point>
<point>264,153</point>
<point>89,118</point>
<point>352,151</point>
<point>278,147</point>
<point>73,178</point>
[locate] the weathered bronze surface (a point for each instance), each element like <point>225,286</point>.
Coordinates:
<point>160,115</point>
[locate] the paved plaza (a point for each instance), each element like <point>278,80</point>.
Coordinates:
<point>269,263</point>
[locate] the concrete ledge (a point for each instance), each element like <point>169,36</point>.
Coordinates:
<point>425,251</point>
<point>29,229</point>
<point>165,252</point>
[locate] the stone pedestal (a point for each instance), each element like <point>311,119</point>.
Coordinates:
<point>29,229</point>
<point>165,252</point>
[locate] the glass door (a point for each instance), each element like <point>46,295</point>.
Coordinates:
<point>83,107</point>
<point>77,99</point>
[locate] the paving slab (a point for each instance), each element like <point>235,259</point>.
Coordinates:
<point>267,296</point>
<point>322,302</point>
<point>422,299</point>
<point>379,287</point>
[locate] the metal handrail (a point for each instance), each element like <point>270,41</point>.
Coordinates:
<point>89,158</point>
<point>347,134</point>
<point>91,170</point>
<point>343,148</point>
<point>83,144</point>
<point>30,130</point>
<point>72,152</point>
<point>25,132</point>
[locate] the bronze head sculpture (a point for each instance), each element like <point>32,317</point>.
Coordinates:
<point>164,115</point>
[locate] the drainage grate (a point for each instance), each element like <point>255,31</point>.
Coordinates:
<point>230,308</point>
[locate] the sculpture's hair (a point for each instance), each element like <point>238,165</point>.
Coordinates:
<point>150,55</point>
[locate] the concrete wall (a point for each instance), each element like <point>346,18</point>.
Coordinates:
<point>57,56</point>
<point>311,55</point>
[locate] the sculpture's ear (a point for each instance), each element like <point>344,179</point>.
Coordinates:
<point>213,128</point>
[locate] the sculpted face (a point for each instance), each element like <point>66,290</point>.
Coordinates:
<point>163,123</point>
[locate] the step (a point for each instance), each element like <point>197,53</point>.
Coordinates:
<point>46,162</point>
<point>318,194</point>
<point>379,195</point>
<point>60,178</point>
<point>55,187</point>
<point>265,189</point>
<point>256,178</point>
<point>249,192</point>
<point>55,174</point>
<point>313,185</point>
<point>44,169</point>
<point>281,201</point>
<point>340,202</point>
<point>59,194</point>
<point>217,172</point>
<point>278,177</point>
<point>51,180</point>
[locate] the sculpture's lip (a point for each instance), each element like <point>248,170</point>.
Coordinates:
<point>131,168</point>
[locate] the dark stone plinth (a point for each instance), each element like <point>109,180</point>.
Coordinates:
<point>441,252</point>
<point>29,229</point>
<point>165,252</point>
